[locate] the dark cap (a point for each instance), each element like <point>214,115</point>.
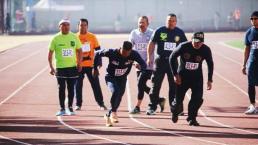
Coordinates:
<point>255,13</point>
<point>127,45</point>
<point>198,37</point>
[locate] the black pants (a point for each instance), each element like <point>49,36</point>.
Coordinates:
<point>162,68</point>
<point>66,77</point>
<point>117,88</point>
<point>95,85</point>
<point>62,82</point>
<point>143,77</point>
<point>196,85</point>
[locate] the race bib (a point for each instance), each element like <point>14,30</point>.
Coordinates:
<point>255,45</point>
<point>67,52</point>
<point>169,46</point>
<point>86,47</point>
<point>141,46</point>
<point>120,72</point>
<point>191,66</point>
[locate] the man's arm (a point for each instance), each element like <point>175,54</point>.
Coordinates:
<point>79,59</point>
<point>173,63</point>
<point>150,51</point>
<point>246,56</point>
<point>50,57</point>
<point>210,64</point>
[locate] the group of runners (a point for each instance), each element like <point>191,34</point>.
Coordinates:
<point>154,54</point>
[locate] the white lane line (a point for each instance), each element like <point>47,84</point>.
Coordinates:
<point>128,90</point>
<point>14,140</point>
<point>14,93</point>
<point>226,45</point>
<point>219,123</point>
<point>18,61</point>
<point>23,85</point>
<point>85,133</point>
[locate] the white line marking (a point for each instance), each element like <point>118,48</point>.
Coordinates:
<point>18,61</point>
<point>23,85</point>
<point>82,132</point>
<point>234,48</point>
<point>157,129</point>
<point>14,93</point>
<point>14,140</point>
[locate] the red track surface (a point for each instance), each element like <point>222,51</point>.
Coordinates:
<point>28,103</point>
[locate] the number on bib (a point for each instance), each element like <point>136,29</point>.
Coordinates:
<point>141,46</point>
<point>120,72</point>
<point>169,46</point>
<point>86,47</point>
<point>67,52</point>
<point>191,66</point>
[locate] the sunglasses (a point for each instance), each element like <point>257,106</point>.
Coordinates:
<point>253,18</point>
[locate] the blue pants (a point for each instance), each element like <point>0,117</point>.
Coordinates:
<point>95,85</point>
<point>117,88</point>
<point>162,68</point>
<point>143,77</point>
<point>252,73</point>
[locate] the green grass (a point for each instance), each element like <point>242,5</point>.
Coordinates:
<point>236,43</point>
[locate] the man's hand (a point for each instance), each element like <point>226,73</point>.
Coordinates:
<point>244,70</point>
<point>209,85</point>
<point>52,71</point>
<point>177,79</point>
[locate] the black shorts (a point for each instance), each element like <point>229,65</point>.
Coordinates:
<point>70,72</point>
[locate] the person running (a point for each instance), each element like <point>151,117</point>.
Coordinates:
<point>140,38</point>
<point>119,66</point>
<point>67,49</point>
<point>167,38</point>
<point>250,66</point>
<point>89,45</point>
<point>189,75</point>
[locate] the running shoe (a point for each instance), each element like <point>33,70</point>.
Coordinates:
<point>150,112</point>
<point>77,108</point>
<point>251,110</point>
<point>193,122</point>
<point>174,118</point>
<point>114,118</point>
<point>61,112</point>
<point>108,121</point>
<point>70,111</point>
<point>136,110</point>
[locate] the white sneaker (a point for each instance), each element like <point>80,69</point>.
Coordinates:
<point>251,110</point>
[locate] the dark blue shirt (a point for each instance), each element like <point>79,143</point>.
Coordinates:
<point>251,39</point>
<point>191,60</point>
<point>118,65</point>
<point>167,40</point>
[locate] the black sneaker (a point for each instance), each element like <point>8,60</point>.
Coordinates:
<point>193,122</point>
<point>162,103</point>
<point>136,110</point>
<point>174,118</point>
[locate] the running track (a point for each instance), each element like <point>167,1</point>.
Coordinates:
<point>28,103</point>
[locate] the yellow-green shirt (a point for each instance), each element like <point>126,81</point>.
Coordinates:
<point>65,47</point>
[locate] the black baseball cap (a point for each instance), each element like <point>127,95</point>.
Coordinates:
<point>198,37</point>
<point>255,13</point>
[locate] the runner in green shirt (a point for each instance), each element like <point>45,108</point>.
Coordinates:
<point>68,54</point>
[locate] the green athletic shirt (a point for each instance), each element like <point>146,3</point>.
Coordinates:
<point>65,47</point>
